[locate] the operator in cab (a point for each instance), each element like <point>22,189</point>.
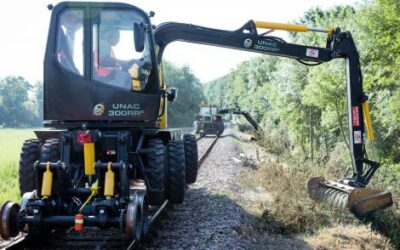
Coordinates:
<point>108,67</point>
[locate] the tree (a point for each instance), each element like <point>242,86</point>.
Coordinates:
<point>38,102</point>
<point>190,93</point>
<point>379,43</point>
<point>16,108</point>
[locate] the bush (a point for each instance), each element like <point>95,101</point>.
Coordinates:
<point>276,141</point>
<point>387,222</point>
<point>339,163</point>
<point>292,211</point>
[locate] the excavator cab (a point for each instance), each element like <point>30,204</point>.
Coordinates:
<point>100,66</point>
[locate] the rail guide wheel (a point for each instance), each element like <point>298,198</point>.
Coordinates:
<point>136,220</point>
<point>9,220</point>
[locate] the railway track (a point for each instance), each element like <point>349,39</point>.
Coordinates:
<point>208,149</point>
<point>94,238</point>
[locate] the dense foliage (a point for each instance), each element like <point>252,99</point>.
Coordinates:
<point>303,108</point>
<point>190,93</point>
<point>20,102</point>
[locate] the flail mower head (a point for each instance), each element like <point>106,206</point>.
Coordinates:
<point>360,201</point>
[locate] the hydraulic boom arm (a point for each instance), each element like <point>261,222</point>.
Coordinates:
<point>339,45</point>
<point>245,115</point>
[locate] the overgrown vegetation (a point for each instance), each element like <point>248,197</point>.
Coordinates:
<point>387,222</point>
<point>348,237</point>
<point>292,211</point>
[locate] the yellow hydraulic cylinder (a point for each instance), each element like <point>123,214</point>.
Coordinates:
<point>109,182</point>
<point>291,27</point>
<point>47,182</point>
<point>164,118</point>
<point>367,120</point>
<point>88,155</point>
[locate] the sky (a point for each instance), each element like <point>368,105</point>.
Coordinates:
<point>24,25</point>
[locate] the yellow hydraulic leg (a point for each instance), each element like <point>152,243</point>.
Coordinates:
<point>109,182</point>
<point>88,155</point>
<point>47,182</point>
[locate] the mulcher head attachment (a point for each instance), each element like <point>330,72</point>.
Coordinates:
<point>360,201</point>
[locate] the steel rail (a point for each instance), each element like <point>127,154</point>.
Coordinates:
<point>208,150</point>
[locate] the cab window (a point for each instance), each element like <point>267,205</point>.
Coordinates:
<point>69,49</point>
<point>116,61</point>
<point>208,111</point>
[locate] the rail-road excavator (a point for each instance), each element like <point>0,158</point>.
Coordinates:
<point>108,155</point>
<point>209,120</point>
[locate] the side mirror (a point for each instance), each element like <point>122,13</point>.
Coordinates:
<point>172,94</point>
<point>138,37</point>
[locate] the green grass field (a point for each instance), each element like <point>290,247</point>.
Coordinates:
<point>11,141</point>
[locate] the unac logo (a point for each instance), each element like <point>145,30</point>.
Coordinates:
<point>99,109</point>
<point>247,43</point>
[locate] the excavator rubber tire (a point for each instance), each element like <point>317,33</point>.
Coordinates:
<point>196,127</point>
<point>176,181</point>
<point>50,151</point>
<point>154,168</point>
<point>191,158</point>
<point>30,153</point>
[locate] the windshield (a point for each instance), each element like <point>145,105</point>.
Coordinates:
<point>116,59</point>
<point>208,111</point>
